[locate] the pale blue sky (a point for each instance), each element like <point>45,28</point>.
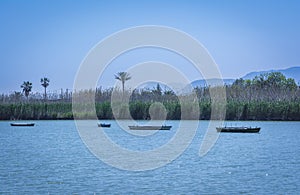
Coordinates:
<point>51,37</point>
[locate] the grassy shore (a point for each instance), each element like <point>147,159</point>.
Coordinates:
<point>255,110</point>
<point>269,96</point>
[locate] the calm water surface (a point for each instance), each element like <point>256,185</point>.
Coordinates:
<point>51,158</point>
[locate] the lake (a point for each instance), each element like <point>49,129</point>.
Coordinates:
<point>51,158</point>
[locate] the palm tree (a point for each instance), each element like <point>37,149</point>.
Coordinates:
<point>45,83</point>
<point>123,77</point>
<point>27,86</point>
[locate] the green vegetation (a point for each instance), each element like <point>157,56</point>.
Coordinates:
<point>36,110</point>
<point>266,97</point>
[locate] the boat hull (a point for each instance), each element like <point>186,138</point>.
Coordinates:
<point>149,127</point>
<point>104,125</point>
<point>238,129</point>
<point>22,124</point>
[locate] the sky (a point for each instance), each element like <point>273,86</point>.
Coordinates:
<point>50,38</point>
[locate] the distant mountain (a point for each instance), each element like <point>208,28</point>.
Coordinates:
<point>202,82</point>
<point>293,72</point>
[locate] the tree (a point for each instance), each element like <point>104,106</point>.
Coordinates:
<point>275,79</point>
<point>291,84</point>
<point>123,77</point>
<point>45,83</point>
<point>157,91</point>
<point>26,86</point>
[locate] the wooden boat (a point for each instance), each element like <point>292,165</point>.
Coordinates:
<point>238,129</point>
<point>107,125</point>
<point>22,124</point>
<point>150,127</point>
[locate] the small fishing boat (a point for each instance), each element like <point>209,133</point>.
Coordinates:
<point>22,124</point>
<point>238,129</point>
<point>149,127</point>
<point>107,125</point>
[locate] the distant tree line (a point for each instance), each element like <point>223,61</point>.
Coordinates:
<point>269,96</point>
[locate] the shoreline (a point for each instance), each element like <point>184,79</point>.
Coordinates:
<point>227,120</point>
<point>138,110</point>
